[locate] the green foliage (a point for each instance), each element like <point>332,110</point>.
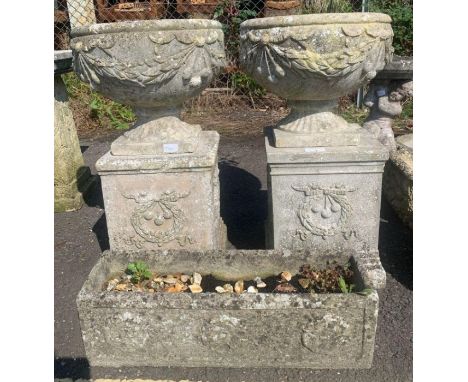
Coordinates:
<point>405,119</point>
<point>105,110</point>
<point>119,116</point>
<point>246,84</point>
<point>401,12</point>
<point>407,111</point>
<point>327,6</point>
<point>139,271</point>
<point>345,288</point>
<point>365,292</point>
<point>351,113</point>
<point>231,13</point>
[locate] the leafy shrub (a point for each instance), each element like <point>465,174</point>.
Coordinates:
<point>401,12</point>
<point>327,6</point>
<point>231,13</point>
<point>105,110</point>
<point>139,271</point>
<point>246,85</point>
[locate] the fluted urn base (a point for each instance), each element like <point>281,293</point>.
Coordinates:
<point>158,132</point>
<point>313,123</point>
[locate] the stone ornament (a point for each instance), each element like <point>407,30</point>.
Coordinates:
<point>384,99</point>
<point>72,178</point>
<point>153,66</point>
<point>324,210</point>
<point>312,60</point>
<point>158,210</point>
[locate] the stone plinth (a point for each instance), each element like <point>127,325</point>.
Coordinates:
<point>325,198</point>
<point>300,330</point>
<point>163,201</point>
<point>398,179</point>
<point>71,176</point>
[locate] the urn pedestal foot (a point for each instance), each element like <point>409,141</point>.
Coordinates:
<point>167,201</point>
<point>313,123</point>
<point>158,132</point>
<point>325,198</point>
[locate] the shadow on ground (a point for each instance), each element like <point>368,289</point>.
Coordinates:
<point>93,196</point>
<point>243,206</point>
<point>100,229</point>
<point>396,246</point>
<point>74,368</point>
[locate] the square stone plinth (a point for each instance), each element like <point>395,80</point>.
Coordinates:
<point>163,201</point>
<point>297,330</point>
<point>325,198</point>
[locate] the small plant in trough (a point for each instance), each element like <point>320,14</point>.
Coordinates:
<point>138,271</point>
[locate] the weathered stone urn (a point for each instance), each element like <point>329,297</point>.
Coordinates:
<point>153,66</point>
<point>159,180</point>
<point>312,60</point>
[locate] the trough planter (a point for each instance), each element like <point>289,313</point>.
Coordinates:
<point>298,330</point>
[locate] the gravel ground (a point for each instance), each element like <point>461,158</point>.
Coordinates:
<point>81,236</point>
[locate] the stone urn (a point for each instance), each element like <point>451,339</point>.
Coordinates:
<point>312,60</point>
<point>152,66</point>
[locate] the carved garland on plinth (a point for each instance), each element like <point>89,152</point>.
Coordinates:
<point>287,50</point>
<point>200,49</point>
<point>158,209</point>
<point>319,205</point>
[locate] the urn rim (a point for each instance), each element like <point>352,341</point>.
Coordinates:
<point>316,19</point>
<point>146,26</point>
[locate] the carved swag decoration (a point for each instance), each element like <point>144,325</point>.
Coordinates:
<point>201,51</point>
<point>158,210</point>
<point>318,208</point>
<point>290,50</point>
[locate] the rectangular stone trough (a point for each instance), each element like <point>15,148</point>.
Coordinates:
<point>299,330</point>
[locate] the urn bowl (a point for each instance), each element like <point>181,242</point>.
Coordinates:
<point>149,63</point>
<point>312,60</point>
<point>317,56</point>
<point>153,66</point>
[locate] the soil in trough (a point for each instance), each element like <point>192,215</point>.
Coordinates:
<point>137,278</point>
